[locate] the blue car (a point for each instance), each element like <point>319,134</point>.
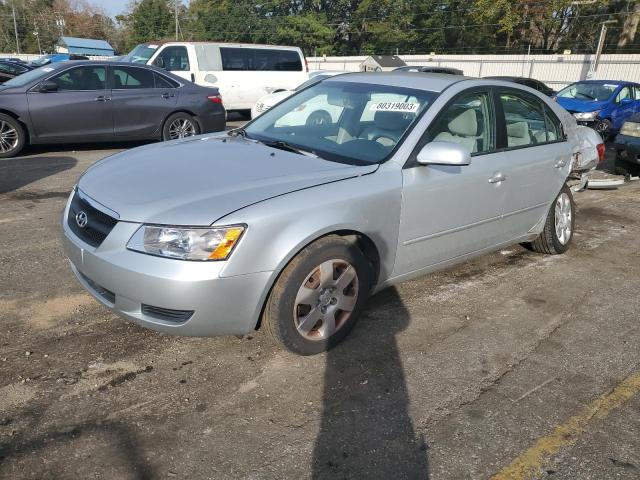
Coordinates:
<point>603,105</point>
<point>55,58</point>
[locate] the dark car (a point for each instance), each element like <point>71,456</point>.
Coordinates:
<point>89,101</point>
<point>529,82</point>
<point>10,69</point>
<point>627,145</point>
<point>430,69</point>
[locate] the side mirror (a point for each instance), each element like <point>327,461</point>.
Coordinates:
<point>626,101</point>
<point>159,62</point>
<point>48,86</point>
<point>444,153</point>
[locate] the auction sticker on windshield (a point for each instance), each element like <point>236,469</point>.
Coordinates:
<point>405,107</point>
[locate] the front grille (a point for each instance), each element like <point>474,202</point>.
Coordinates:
<point>98,225</point>
<point>167,314</point>
<point>108,295</point>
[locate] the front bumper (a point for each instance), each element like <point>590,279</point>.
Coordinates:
<point>629,148</point>
<point>129,283</point>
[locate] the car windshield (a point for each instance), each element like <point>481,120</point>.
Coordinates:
<point>588,91</point>
<point>353,123</point>
<point>141,54</point>
<point>28,77</point>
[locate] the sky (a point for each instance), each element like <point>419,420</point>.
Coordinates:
<point>115,7</point>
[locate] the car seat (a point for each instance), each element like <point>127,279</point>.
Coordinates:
<point>463,130</point>
<point>518,134</point>
<point>387,127</point>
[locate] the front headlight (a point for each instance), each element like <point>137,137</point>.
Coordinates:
<point>186,243</point>
<point>631,129</point>
<point>586,116</point>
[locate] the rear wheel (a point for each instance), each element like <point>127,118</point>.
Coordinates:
<point>180,125</point>
<point>12,136</point>
<point>559,226</point>
<point>318,297</point>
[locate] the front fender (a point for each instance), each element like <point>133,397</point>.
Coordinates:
<point>280,227</point>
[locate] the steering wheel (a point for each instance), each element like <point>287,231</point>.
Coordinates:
<point>382,135</point>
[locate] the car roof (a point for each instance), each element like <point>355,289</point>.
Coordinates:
<point>433,82</point>
<point>602,82</point>
<point>226,44</point>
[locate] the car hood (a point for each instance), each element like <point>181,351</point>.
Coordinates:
<point>574,105</point>
<point>199,180</point>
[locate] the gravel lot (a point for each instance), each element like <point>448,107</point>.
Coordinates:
<point>513,357</point>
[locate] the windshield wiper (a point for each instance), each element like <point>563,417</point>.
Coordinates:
<point>585,95</point>
<point>282,145</point>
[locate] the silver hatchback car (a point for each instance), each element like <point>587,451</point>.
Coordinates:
<point>290,226</point>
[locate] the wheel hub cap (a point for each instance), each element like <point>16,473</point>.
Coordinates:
<point>181,128</point>
<point>8,137</point>
<point>326,299</point>
<point>563,218</point>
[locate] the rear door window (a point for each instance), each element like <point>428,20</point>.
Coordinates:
<point>132,78</point>
<point>260,59</point>
<point>528,121</point>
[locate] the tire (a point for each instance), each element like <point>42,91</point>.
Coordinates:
<point>306,328</point>
<point>319,118</point>
<point>603,127</point>
<point>552,240</point>
<point>179,125</point>
<point>12,136</point>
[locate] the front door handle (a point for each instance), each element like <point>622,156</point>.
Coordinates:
<point>497,178</point>
<point>165,96</point>
<point>102,98</point>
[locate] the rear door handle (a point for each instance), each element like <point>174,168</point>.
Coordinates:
<point>560,163</point>
<point>165,95</point>
<point>497,178</point>
<point>102,98</point>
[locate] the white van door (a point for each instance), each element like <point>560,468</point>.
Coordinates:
<point>177,59</point>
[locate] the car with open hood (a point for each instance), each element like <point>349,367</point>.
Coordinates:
<point>289,227</point>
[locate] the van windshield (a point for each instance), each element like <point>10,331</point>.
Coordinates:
<point>353,123</point>
<point>141,54</point>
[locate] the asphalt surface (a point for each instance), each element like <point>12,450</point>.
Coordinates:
<point>515,364</point>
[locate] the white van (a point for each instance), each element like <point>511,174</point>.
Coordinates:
<point>242,72</point>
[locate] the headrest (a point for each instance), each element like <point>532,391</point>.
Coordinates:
<point>465,124</point>
<point>518,130</point>
<point>392,120</point>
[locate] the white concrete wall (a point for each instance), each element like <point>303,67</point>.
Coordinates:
<point>555,70</point>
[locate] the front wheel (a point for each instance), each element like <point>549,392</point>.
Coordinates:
<point>179,125</point>
<point>559,226</point>
<point>12,136</point>
<point>318,297</point>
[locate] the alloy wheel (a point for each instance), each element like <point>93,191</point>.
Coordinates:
<point>563,218</point>
<point>8,137</point>
<point>326,299</point>
<point>181,128</point>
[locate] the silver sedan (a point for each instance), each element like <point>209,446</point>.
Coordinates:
<point>290,227</point>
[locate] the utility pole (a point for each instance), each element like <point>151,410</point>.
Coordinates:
<point>596,59</point>
<point>15,27</point>
<point>177,26</point>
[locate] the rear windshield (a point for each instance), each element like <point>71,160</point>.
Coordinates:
<point>260,59</point>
